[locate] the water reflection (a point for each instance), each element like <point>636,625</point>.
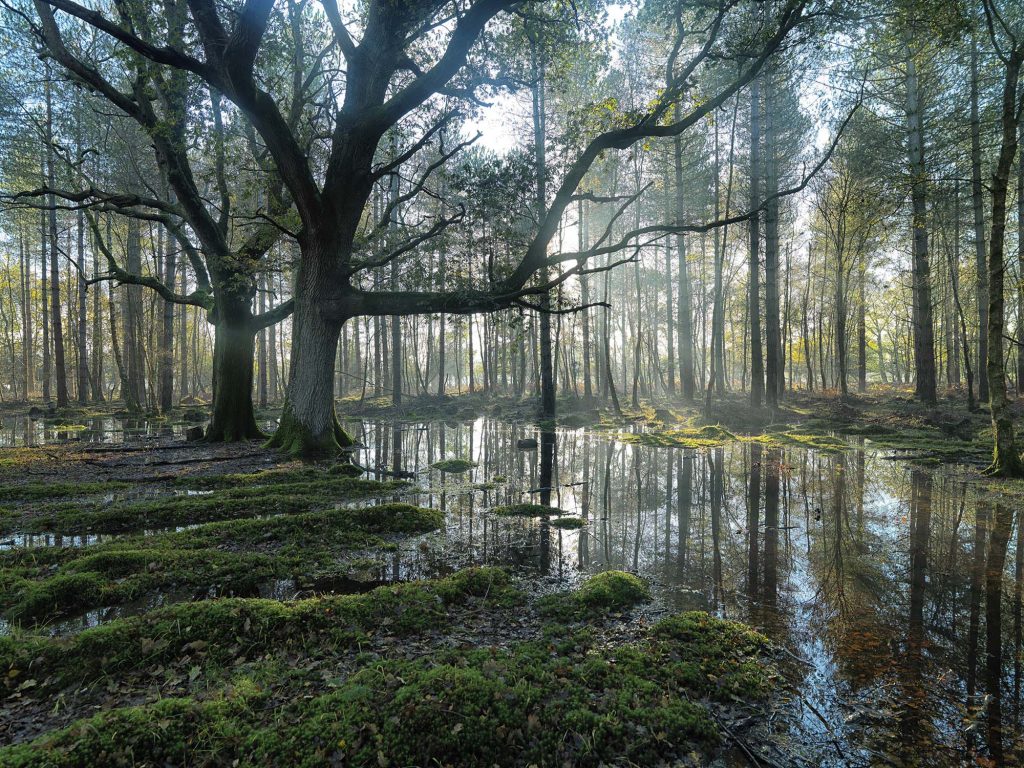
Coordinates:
<point>31,432</point>
<point>883,581</point>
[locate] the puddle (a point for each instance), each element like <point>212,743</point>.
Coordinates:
<point>869,572</point>
<point>27,431</point>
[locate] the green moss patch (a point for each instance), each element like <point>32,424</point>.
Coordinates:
<point>216,633</point>
<point>604,593</point>
<point>576,703</point>
<point>526,510</point>
<point>569,523</point>
<point>36,491</point>
<point>232,557</point>
<point>454,466</point>
<point>227,503</point>
<point>708,436</point>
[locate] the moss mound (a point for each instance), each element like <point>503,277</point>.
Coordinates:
<point>573,702</point>
<point>708,436</point>
<point>604,593</point>
<point>215,633</point>
<point>570,523</point>
<point>227,502</point>
<point>526,510</point>
<point>454,466</point>
<point>224,558</point>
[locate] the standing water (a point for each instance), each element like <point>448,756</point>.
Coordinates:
<point>894,591</point>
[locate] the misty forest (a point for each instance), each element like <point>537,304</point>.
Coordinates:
<point>511,383</point>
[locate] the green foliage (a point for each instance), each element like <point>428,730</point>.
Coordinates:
<point>231,557</point>
<point>215,633</point>
<point>579,703</point>
<point>570,523</point>
<point>237,496</point>
<point>526,510</point>
<point>454,466</point>
<point>606,592</point>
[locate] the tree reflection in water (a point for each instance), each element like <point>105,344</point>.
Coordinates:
<point>872,571</point>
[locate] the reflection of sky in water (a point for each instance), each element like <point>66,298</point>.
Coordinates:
<point>19,431</point>
<point>876,636</point>
<point>873,680</point>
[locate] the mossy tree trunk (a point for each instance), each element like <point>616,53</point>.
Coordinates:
<point>233,416</point>
<point>1006,460</point>
<point>309,426</point>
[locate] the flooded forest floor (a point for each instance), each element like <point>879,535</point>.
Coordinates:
<point>644,588</point>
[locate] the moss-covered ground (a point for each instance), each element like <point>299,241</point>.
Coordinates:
<point>885,417</point>
<point>207,660</point>
<point>101,507</point>
<point>309,682</point>
<point>224,558</point>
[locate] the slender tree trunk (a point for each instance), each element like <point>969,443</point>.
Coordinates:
<point>924,342</point>
<point>684,333</point>
<point>45,293</point>
<point>547,374</point>
<point>262,360</point>
<point>396,321</point>
<point>862,330</point>
<point>808,355</point>
<point>57,324</point>
<point>1020,261</point>
<point>97,332</point>
<point>1006,460</point>
<point>954,266</point>
<point>122,373</point>
<point>166,376</point>
<point>135,398</point>
<point>184,390</point>
<point>669,321</point>
<point>842,349</point>
<point>83,320</point>
<point>442,331</point>
<point>27,339</point>
<point>753,283</point>
<point>773,330</point>
<point>977,198</point>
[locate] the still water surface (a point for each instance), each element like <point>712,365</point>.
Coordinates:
<point>895,590</point>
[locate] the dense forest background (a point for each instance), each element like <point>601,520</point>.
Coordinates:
<point>615,202</point>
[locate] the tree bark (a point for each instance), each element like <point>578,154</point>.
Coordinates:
<point>44,282</point>
<point>977,200</point>
<point>684,333</point>
<point>1020,262</point>
<point>773,331</point>
<point>166,377</point>
<point>131,310</point>
<point>547,374</point>
<point>233,354</point>
<point>924,342</point>
<point>57,325</point>
<point>1006,460</point>
<point>262,349</point>
<point>753,285</point>
<point>309,426</point>
<point>83,322</point>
